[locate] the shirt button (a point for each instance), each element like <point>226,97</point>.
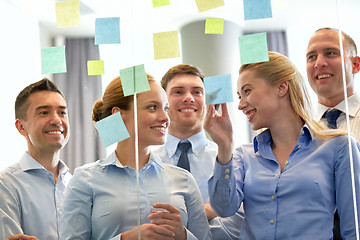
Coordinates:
<point>227,176</point>
<point>227,170</point>
<point>299,146</point>
<point>273,197</point>
<point>272,221</point>
<point>287,162</point>
<point>302,131</point>
<point>276,175</point>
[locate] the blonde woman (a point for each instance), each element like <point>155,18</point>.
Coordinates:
<point>296,172</point>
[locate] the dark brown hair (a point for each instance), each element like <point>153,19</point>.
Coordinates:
<point>181,69</point>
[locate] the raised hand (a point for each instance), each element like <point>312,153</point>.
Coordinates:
<point>220,129</point>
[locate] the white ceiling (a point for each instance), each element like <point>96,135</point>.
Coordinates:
<point>142,16</point>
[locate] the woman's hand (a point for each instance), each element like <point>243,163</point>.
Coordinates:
<point>220,129</point>
<point>170,219</point>
<point>148,231</point>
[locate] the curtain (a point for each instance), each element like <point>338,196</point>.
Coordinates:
<point>81,91</point>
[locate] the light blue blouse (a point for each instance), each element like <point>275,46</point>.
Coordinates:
<point>101,200</point>
<point>298,203</point>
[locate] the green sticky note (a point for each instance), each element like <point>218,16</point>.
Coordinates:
<point>53,60</point>
<point>112,129</point>
<point>205,5</point>
<point>95,67</point>
<point>160,3</point>
<point>214,26</point>
<point>253,48</point>
<point>166,45</point>
<point>134,79</point>
<point>67,13</point>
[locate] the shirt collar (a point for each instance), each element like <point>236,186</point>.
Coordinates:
<point>353,103</point>
<point>264,138</point>
<point>113,160</point>
<point>198,142</point>
<point>28,163</point>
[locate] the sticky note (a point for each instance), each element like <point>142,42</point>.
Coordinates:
<point>67,13</point>
<point>112,129</point>
<point>134,79</point>
<point>218,89</point>
<point>160,3</point>
<point>253,48</point>
<point>214,26</point>
<point>95,67</point>
<point>53,60</point>
<point>107,30</point>
<point>205,5</point>
<point>257,9</point>
<point>166,45</point>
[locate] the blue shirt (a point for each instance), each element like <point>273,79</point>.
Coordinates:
<point>298,203</point>
<point>101,201</point>
<point>202,156</point>
<point>31,202</point>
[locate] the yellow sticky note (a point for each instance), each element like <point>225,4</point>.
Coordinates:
<point>159,3</point>
<point>67,13</point>
<point>166,45</point>
<point>95,67</point>
<point>205,5</point>
<point>214,26</point>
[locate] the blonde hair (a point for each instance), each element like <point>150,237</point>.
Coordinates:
<point>280,69</point>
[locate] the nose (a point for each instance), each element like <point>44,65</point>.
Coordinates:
<point>188,97</point>
<point>242,104</point>
<point>55,119</point>
<point>320,61</point>
<point>163,117</point>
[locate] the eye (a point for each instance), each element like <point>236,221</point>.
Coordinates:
<point>152,107</point>
<point>63,113</point>
<point>311,57</point>
<point>247,91</point>
<point>198,93</point>
<point>43,113</point>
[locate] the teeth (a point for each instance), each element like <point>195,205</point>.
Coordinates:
<point>324,76</point>
<point>250,115</point>
<point>162,129</point>
<point>188,110</point>
<point>54,132</point>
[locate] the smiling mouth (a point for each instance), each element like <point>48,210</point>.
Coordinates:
<point>187,110</point>
<point>321,76</point>
<point>250,115</point>
<point>55,132</point>
<point>159,129</point>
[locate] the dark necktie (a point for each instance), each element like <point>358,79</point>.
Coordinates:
<point>331,117</point>
<point>184,160</point>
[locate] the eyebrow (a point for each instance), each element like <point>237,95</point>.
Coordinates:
<point>47,107</point>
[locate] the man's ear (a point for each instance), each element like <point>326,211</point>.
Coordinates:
<point>19,124</point>
<point>356,64</point>
<point>283,88</point>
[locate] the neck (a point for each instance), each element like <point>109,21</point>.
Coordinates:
<point>334,100</point>
<point>125,152</point>
<point>183,132</point>
<point>285,135</point>
<point>49,160</point>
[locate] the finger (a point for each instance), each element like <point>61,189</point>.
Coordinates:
<point>224,110</point>
<point>22,237</point>
<point>166,206</point>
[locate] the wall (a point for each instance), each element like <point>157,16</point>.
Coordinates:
<point>20,65</point>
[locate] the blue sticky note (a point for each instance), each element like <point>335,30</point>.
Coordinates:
<point>53,60</point>
<point>112,129</point>
<point>107,30</point>
<point>253,48</point>
<point>257,9</point>
<point>218,89</point>
<point>134,79</point>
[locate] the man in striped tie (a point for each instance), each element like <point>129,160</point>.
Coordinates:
<point>324,70</point>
